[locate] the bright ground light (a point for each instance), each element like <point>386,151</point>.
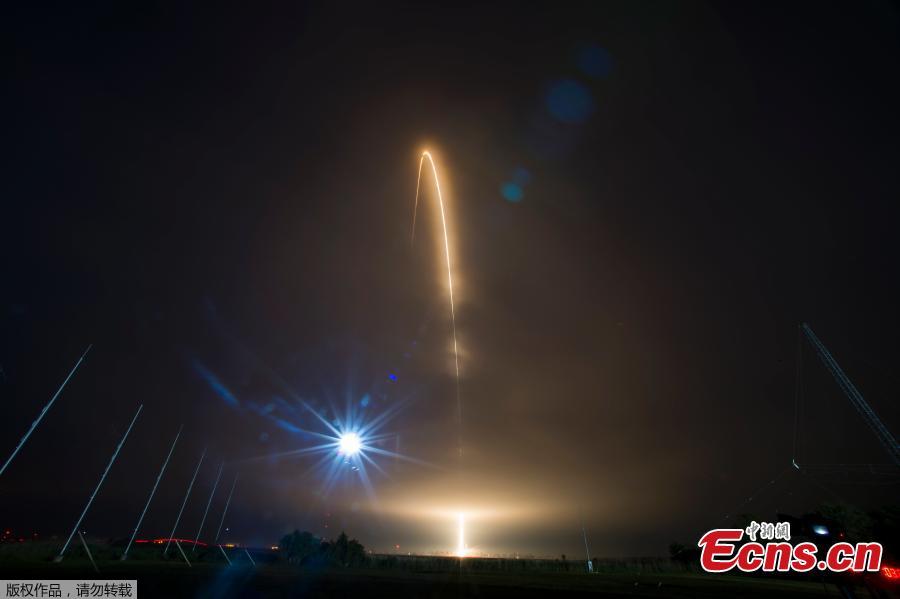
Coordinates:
<point>460,535</point>
<point>349,444</point>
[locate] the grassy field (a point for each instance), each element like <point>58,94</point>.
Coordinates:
<point>387,576</point>
<point>241,579</point>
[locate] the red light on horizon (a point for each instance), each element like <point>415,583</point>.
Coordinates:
<point>172,540</point>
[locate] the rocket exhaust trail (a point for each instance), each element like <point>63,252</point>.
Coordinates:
<point>437,186</point>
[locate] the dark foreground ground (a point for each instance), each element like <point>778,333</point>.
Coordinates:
<point>170,579</point>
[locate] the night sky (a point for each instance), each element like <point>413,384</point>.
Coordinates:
<point>644,201</point>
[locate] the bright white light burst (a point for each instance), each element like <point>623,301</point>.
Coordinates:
<point>349,444</point>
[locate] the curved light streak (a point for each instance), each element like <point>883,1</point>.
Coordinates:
<point>440,197</point>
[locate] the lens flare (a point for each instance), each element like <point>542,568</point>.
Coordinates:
<point>349,444</point>
<point>440,198</point>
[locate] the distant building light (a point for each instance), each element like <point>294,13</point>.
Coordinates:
<point>172,540</point>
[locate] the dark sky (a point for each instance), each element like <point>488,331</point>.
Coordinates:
<point>644,201</point>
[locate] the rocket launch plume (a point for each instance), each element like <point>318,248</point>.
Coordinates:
<point>440,198</point>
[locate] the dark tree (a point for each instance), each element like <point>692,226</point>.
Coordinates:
<point>298,546</point>
<point>305,549</point>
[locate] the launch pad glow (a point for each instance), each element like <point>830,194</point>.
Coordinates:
<point>461,535</point>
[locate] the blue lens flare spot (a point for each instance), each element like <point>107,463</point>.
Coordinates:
<point>595,62</point>
<point>215,384</point>
<point>392,376</point>
<point>288,426</point>
<point>521,176</point>
<point>512,192</point>
<point>570,102</point>
<point>364,402</point>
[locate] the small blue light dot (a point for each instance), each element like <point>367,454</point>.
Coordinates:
<point>364,402</point>
<point>570,102</point>
<point>511,191</point>
<point>392,376</point>
<point>596,62</point>
<point>521,176</point>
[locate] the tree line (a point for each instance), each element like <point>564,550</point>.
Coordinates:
<point>305,549</point>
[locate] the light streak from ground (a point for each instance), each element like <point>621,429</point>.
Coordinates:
<point>152,493</point>
<point>461,535</point>
<point>225,511</point>
<point>208,503</point>
<point>184,503</point>
<point>99,484</point>
<point>44,411</point>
